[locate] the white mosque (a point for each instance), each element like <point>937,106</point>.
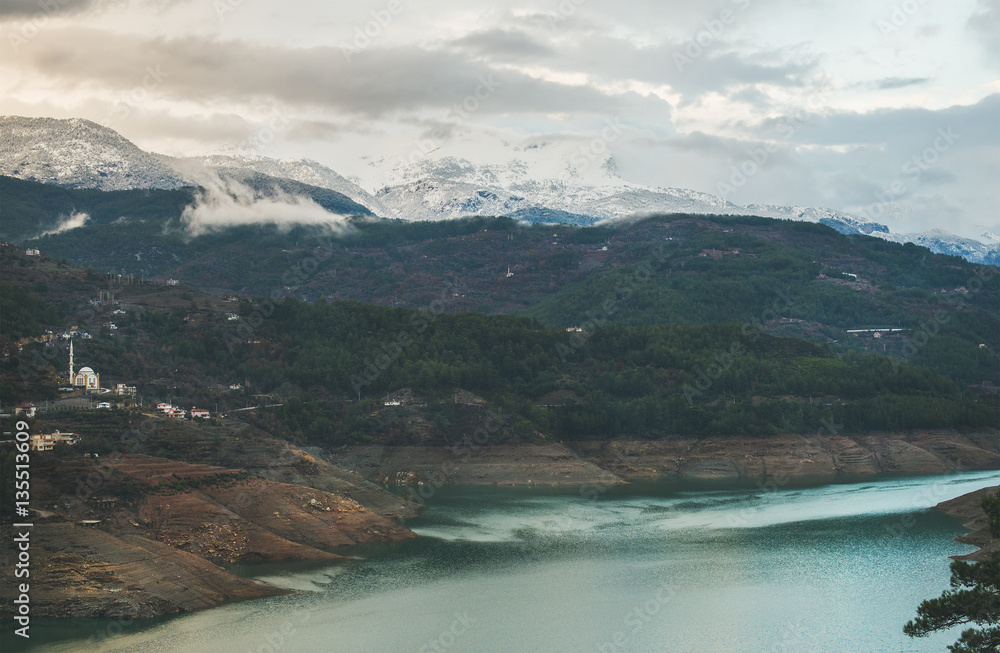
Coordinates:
<point>86,378</point>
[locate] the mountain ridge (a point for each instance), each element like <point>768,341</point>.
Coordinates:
<point>78,153</point>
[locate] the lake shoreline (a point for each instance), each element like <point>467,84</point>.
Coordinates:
<point>615,461</point>
<point>967,508</point>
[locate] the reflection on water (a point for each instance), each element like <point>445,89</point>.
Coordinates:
<point>647,567</point>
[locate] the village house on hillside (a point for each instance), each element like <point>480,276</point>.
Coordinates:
<point>125,390</point>
<point>26,409</point>
<point>48,441</point>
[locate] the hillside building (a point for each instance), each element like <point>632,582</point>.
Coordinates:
<point>125,390</point>
<point>86,378</point>
<point>48,441</point>
<point>26,409</point>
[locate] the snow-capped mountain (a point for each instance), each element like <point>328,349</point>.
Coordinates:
<point>546,181</point>
<point>302,170</point>
<point>938,241</point>
<point>450,187</point>
<point>78,154</point>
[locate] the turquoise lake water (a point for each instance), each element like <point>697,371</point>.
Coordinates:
<point>647,567</point>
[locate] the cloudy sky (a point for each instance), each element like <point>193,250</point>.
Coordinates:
<point>886,108</point>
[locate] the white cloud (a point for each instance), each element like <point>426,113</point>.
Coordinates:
<point>226,203</point>
<point>73,221</point>
<point>563,66</point>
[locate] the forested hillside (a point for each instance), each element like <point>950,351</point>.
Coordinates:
<point>332,364</point>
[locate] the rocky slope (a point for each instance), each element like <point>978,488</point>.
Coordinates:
<point>146,536</point>
<point>85,571</point>
<point>489,465</point>
<point>590,463</point>
<point>795,455</point>
<point>967,508</point>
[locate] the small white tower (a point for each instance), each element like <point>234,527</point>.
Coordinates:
<point>71,360</point>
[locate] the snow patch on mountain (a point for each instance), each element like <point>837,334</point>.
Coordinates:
<point>944,243</point>
<point>549,178</point>
<point>305,171</point>
<point>78,154</point>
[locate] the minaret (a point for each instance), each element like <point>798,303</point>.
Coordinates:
<point>71,361</point>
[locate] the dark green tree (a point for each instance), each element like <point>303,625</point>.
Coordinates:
<point>973,599</point>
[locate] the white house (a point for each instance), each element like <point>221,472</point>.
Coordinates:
<point>163,407</point>
<point>200,412</point>
<point>48,441</point>
<point>28,410</point>
<point>125,390</point>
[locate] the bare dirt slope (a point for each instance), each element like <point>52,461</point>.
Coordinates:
<point>548,464</point>
<point>921,452</point>
<point>967,508</point>
<point>83,571</point>
<point>143,539</point>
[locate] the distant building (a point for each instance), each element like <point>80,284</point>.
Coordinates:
<point>173,282</point>
<point>163,407</point>
<point>32,252</point>
<point>393,402</point>
<point>48,441</point>
<point>176,413</point>
<point>200,412</point>
<point>125,390</point>
<point>235,386</point>
<point>87,379</point>
<point>26,409</point>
